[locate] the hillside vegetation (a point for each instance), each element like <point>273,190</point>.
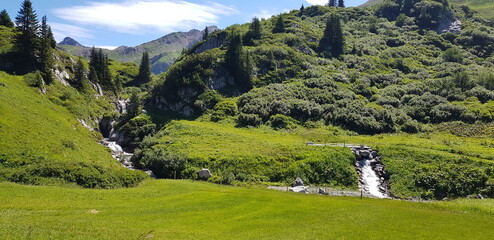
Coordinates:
<point>43,143</point>
<point>407,81</point>
<point>168,209</point>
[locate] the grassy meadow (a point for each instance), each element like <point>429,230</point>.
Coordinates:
<point>451,160</point>
<point>168,209</point>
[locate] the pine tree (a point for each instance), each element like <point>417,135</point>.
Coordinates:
<point>233,52</point>
<point>99,71</point>
<point>332,3</point>
<point>341,3</point>
<point>279,26</point>
<point>80,80</point>
<point>27,42</point>
<point>205,35</point>
<point>144,75</point>
<point>134,107</point>
<point>332,40</point>
<point>247,68</point>
<point>233,55</point>
<point>5,19</point>
<point>302,11</point>
<point>51,38</point>
<point>254,31</point>
<point>45,60</point>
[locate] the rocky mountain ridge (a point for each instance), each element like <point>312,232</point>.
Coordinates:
<point>162,51</point>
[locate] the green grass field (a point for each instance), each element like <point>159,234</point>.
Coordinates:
<point>452,155</point>
<point>167,209</point>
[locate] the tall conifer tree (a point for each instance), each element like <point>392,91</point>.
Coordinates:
<point>5,19</point>
<point>45,60</point>
<point>99,71</point>
<point>332,40</point>
<point>27,42</point>
<point>279,26</point>
<point>254,31</point>
<point>144,75</point>
<point>302,11</point>
<point>79,81</point>
<point>341,3</point>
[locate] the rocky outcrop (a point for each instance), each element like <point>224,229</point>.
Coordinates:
<point>214,41</point>
<point>299,189</point>
<point>62,76</point>
<point>298,182</point>
<point>186,96</point>
<point>204,174</point>
<point>449,24</point>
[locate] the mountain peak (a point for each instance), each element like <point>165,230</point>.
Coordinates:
<point>71,42</point>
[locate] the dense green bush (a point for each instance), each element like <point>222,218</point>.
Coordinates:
<point>280,121</point>
<point>208,100</point>
<point>33,79</point>
<point>452,55</point>
<point>84,174</point>
<point>165,164</point>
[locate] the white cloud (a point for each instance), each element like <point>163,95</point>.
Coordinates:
<point>265,14</point>
<point>318,2</point>
<point>61,30</point>
<point>143,16</point>
<point>107,47</point>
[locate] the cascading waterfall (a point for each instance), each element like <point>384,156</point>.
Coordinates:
<point>111,141</point>
<point>370,182</point>
<point>373,177</point>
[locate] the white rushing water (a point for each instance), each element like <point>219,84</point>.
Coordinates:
<point>371,181</point>
<point>117,151</point>
<point>123,106</point>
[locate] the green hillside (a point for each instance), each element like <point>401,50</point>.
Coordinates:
<point>482,8</point>
<point>485,8</point>
<point>190,210</point>
<point>44,143</point>
<point>399,80</point>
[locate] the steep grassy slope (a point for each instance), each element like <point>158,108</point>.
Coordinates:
<point>190,210</point>
<point>42,142</point>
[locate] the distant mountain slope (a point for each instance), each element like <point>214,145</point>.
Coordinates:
<point>162,51</point>
<point>70,42</point>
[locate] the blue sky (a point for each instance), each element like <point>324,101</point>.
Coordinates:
<point>112,23</point>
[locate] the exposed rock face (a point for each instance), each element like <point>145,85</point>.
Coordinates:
<point>299,189</point>
<point>186,96</point>
<point>62,77</point>
<point>215,41</point>
<point>298,182</point>
<point>204,174</point>
<point>449,24</point>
